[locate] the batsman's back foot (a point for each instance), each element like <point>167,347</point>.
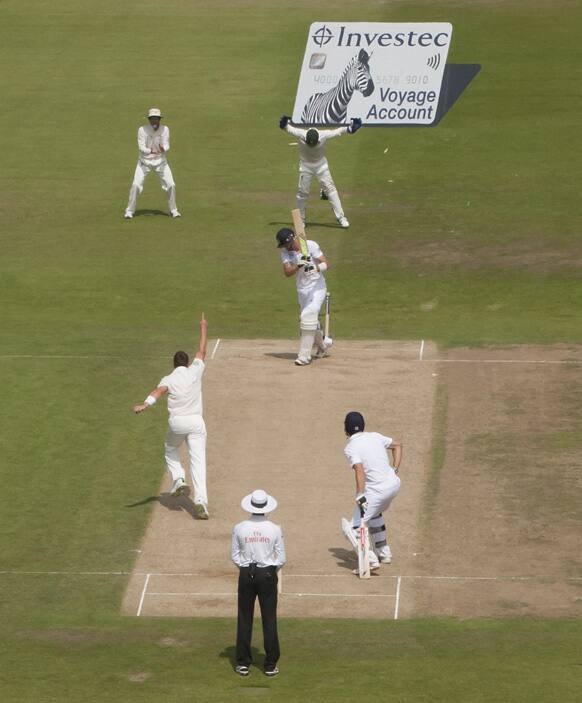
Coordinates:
<point>343,222</point>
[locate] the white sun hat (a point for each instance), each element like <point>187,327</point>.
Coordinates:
<point>154,112</point>
<point>258,502</point>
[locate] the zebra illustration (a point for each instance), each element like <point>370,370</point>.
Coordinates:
<point>331,107</point>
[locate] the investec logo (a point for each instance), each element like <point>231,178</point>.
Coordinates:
<point>323,36</point>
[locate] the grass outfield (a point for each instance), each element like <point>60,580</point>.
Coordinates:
<point>475,241</point>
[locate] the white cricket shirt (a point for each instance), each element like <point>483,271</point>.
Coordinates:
<point>147,138</point>
<point>305,281</point>
<point>369,449</point>
<point>185,389</point>
<point>257,541</point>
<point>313,154</point>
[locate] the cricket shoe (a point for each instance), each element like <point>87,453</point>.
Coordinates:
<point>175,213</point>
<point>343,221</point>
<point>385,560</point>
<point>201,511</point>
<point>242,670</point>
<point>323,195</point>
<point>321,353</point>
<point>302,361</point>
<point>272,671</point>
<point>373,567</point>
<point>128,215</point>
<point>178,487</point>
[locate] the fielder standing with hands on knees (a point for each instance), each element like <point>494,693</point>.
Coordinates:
<point>259,552</point>
<point>377,484</point>
<point>185,422</point>
<point>153,142</point>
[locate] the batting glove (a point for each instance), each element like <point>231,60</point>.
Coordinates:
<point>362,503</point>
<point>355,126</point>
<point>283,121</point>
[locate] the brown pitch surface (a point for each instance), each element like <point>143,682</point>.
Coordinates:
<point>492,528</point>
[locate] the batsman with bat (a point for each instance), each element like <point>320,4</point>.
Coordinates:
<point>304,259</point>
<point>377,484</point>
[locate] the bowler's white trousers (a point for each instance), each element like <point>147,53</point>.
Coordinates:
<point>189,428</point>
<point>319,170</point>
<point>379,498</point>
<point>164,172</point>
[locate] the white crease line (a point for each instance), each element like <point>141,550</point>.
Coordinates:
<point>287,593</point>
<point>397,604</point>
<point>420,353</point>
<point>506,361</point>
<point>141,600</point>
<point>537,577</point>
<point>215,348</point>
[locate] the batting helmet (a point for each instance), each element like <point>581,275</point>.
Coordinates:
<point>284,236</point>
<point>353,423</point>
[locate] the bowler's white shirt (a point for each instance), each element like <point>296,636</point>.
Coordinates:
<point>305,281</point>
<point>369,449</point>
<point>258,541</point>
<point>313,154</point>
<point>147,138</point>
<point>185,389</point>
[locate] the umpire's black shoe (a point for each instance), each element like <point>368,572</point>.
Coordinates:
<point>242,670</point>
<point>271,671</point>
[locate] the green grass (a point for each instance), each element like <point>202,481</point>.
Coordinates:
<point>474,241</point>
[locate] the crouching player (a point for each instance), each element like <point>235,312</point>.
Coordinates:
<point>377,484</point>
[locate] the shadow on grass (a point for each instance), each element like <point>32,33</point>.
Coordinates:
<point>139,213</point>
<point>230,654</point>
<point>181,503</point>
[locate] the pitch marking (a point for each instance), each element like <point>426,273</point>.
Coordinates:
<point>143,593</point>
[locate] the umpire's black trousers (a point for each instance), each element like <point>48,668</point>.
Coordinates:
<point>255,581</point>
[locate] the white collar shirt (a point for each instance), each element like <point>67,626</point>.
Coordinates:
<point>314,154</point>
<point>369,449</point>
<point>184,386</point>
<point>257,541</point>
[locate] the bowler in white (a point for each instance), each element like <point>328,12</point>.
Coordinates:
<point>153,143</point>
<point>377,483</point>
<point>184,390</point>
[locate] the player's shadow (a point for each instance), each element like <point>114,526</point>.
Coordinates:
<point>345,557</point>
<point>230,654</point>
<point>139,213</point>
<point>182,503</point>
<point>281,355</point>
<point>308,224</point>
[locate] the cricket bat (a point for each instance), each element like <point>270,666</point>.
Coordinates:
<point>327,309</point>
<point>280,582</point>
<point>363,552</point>
<point>299,229</point>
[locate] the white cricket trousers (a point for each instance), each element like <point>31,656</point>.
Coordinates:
<point>379,499</point>
<point>166,180</point>
<point>310,302</point>
<point>189,428</point>
<point>319,170</point>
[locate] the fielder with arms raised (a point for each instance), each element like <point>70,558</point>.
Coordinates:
<point>312,162</point>
<point>311,290</point>
<point>377,484</point>
<point>184,389</point>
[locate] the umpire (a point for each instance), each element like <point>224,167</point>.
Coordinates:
<point>259,552</point>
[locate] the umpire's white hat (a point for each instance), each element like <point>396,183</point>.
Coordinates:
<point>154,112</point>
<point>258,502</point>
